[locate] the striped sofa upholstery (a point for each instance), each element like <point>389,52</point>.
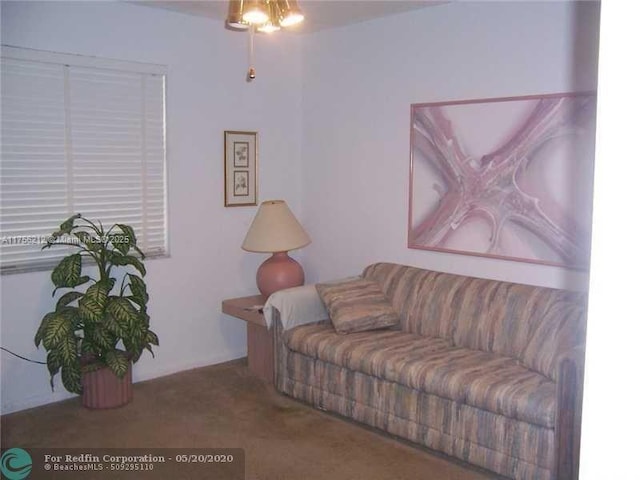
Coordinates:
<point>488,372</point>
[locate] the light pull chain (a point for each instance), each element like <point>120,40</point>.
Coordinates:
<point>251,74</point>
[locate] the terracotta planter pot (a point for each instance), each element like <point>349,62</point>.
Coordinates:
<point>103,389</point>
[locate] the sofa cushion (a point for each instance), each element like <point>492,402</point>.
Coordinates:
<point>534,325</point>
<point>357,305</point>
<point>484,380</point>
<point>481,379</point>
<point>366,352</point>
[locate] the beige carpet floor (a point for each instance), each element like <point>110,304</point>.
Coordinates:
<point>225,406</point>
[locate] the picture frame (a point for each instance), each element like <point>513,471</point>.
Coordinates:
<point>505,178</point>
<point>240,168</point>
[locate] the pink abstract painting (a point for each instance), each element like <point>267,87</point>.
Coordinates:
<point>507,178</point>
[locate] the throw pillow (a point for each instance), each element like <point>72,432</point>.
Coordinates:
<point>357,306</point>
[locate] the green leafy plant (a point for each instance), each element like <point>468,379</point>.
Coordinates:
<point>99,322</point>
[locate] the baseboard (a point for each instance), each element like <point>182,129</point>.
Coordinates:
<point>36,401</point>
<point>209,360</point>
<point>61,394</point>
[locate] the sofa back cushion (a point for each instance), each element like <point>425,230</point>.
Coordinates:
<point>533,324</point>
<point>426,301</point>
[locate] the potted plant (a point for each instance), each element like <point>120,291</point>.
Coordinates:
<point>100,326</point>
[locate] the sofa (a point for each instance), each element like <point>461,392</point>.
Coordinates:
<point>485,371</point>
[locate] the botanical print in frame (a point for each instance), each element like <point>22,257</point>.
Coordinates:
<point>507,178</point>
<point>240,168</point>
<point>240,183</point>
<point>240,154</point>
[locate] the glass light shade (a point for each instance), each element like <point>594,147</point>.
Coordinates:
<point>268,28</point>
<point>275,229</point>
<point>290,12</point>
<point>255,12</point>
<point>238,25</point>
<point>273,24</point>
<point>292,19</point>
<point>234,16</point>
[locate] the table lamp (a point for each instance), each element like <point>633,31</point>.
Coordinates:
<point>276,230</point>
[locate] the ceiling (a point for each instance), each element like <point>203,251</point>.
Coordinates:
<point>319,14</point>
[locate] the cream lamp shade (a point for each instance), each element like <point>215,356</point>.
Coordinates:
<point>276,230</point>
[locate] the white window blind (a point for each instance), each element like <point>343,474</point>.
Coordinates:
<point>79,135</point>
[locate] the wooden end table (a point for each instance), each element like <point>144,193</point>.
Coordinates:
<point>259,338</point>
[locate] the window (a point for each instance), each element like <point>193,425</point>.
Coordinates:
<point>79,135</point>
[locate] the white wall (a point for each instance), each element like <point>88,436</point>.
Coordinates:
<point>358,83</point>
<point>609,429</point>
<point>206,95</point>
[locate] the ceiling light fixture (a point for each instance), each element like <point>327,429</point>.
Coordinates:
<point>265,16</point>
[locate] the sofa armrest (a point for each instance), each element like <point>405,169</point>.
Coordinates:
<point>280,348</point>
<point>295,306</point>
<point>279,353</point>
<point>570,377</point>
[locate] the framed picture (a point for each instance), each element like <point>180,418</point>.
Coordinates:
<point>240,169</point>
<point>506,178</point>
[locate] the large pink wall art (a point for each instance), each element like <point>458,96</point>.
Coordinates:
<point>507,178</point>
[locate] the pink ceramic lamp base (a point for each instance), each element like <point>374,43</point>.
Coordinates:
<point>278,272</point>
